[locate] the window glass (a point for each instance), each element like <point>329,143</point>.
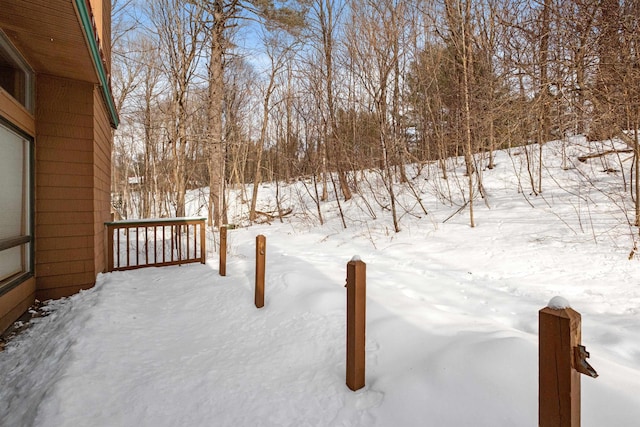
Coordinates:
<point>11,262</point>
<point>12,177</point>
<point>15,211</point>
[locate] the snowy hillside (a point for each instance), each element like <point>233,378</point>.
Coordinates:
<point>452,311</point>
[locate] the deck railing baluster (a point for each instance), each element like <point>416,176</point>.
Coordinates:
<point>176,243</point>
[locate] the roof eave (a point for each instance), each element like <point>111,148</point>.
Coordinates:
<point>84,12</point>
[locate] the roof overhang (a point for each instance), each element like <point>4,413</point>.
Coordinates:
<point>58,37</point>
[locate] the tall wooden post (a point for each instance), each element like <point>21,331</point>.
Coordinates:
<point>562,359</point>
<point>110,229</point>
<point>356,320</point>
<point>203,242</point>
<point>222,267</point>
<point>261,248</point>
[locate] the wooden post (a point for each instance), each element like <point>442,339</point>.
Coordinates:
<point>560,357</point>
<point>222,268</point>
<point>110,248</point>
<point>261,248</point>
<point>356,319</point>
<point>203,243</point>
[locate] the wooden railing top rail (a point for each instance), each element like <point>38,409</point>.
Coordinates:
<point>156,221</point>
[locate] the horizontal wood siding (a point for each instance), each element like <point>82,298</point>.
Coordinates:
<point>15,302</point>
<point>73,137</point>
<point>102,178</point>
<point>105,38</point>
<point>101,12</point>
<point>96,12</point>
<point>65,223</point>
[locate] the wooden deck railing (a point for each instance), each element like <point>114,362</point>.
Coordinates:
<point>155,243</point>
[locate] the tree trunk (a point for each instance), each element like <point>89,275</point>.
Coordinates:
<point>216,158</point>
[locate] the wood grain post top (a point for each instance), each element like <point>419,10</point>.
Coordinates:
<point>356,265</point>
<point>565,313</point>
<point>356,260</point>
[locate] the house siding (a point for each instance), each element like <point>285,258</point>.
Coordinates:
<point>71,127</point>
<point>15,302</point>
<point>102,178</point>
<point>64,171</point>
<point>102,17</point>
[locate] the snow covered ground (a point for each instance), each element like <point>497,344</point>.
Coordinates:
<point>452,315</point>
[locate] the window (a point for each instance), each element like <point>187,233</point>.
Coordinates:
<point>16,77</point>
<point>16,200</point>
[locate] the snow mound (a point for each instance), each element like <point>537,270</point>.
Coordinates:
<point>558,303</point>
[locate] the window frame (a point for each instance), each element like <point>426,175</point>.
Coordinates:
<point>20,241</point>
<point>23,66</point>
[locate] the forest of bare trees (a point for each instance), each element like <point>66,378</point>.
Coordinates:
<point>222,94</point>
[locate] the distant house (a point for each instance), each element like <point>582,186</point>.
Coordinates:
<point>56,119</point>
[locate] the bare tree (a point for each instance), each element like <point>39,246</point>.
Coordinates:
<point>221,16</point>
<point>278,50</point>
<point>374,62</point>
<point>629,81</point>
<point>460,36</point>
<point>180,31</point>
<point>326,14</point>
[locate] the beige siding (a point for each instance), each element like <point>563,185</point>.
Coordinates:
<point>101,12</point>
<point>102,178</point>
<point>96,12</point>
<point>15,302</point>
<point>73,141</point>
<point>65,226</point>
<point>106,34</point>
